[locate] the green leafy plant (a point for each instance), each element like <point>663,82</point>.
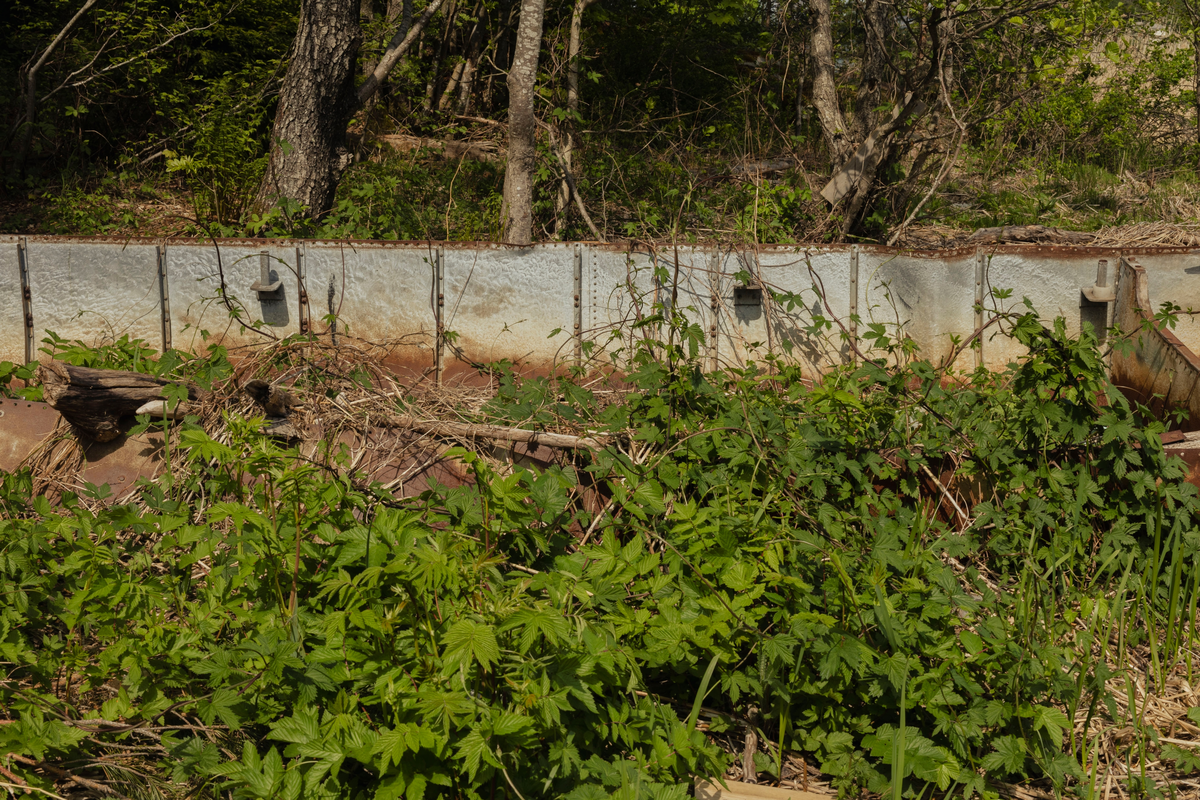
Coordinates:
<point>918,580</point>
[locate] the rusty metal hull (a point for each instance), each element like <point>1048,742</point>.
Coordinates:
<point>1157,368</point>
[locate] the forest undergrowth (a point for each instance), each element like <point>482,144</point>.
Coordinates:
<point>769,197</point>
<point>920,583</point>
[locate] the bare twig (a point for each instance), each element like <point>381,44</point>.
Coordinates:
<point>67,81</point>
<point>945,170</point>
<point>498,432</point>
<point>570,179</point>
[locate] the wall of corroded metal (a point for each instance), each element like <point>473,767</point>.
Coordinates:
<point>441,307</point>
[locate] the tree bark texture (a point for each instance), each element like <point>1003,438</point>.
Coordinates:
<point>824,91</point>
<point>94,400</point>
<point>466,430</point>
<point>522,126</point>
<point>464,69</point>
<point>308,150</point>
<point>573,47</point>
<point>471,68</point>
<point>872,90</point>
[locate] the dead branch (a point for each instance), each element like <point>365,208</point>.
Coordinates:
<point>62,774</point>
<point>67,81</point>
<point>31,98</point>
<point>498,432</point>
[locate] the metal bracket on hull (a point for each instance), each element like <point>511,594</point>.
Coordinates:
<point>266,288</point>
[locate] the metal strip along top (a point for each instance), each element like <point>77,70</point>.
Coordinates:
<point>536,306</point>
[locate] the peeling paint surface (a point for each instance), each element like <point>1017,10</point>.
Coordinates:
<point>933,299</point>
<point>202,280</point>
<point>383,294</point>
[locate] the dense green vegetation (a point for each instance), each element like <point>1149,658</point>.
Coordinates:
<point>695,120</point>
<point>922,586</point>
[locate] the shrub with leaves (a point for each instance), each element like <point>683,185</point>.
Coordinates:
<point>922,585</point>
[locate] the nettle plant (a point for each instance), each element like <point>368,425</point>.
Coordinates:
<point>766,553</point>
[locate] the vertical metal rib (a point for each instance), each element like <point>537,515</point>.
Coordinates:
<point>853,297</point>
<point>439,279</point>
<point>26,296</point>
<point>578,312</point>
<point>164,297</point>
<point>979,271</point>
<point>302,292</point>
<point>714,282</point>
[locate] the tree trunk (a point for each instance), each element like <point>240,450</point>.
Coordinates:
<point>1196,82</point>
<point>397,47</point>
<point>308,150</point>
<point>31,99</point>
<point>824,91</point>
<point>402,9</point>
<point>471,68</point>
<point>463,67</point>
<point>874,83</point>
<point>568,150</point>
<point>573,47</point>
<point>432,89</point>
<point>522,126</point>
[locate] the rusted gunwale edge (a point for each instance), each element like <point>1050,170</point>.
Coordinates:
<point>616,247</point>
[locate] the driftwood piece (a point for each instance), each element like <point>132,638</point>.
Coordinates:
<point>1034,234</point>
<point>497,432</point>
<point>94,400</point>
<point>159,409</point>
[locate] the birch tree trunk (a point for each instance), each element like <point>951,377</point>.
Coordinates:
<point>308,150</point>
<point>522,126</point>
<point>568,154</point>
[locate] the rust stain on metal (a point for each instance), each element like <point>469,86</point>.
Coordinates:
<point>121,462</point>
<point>1160,372</point>
<point>23,426</point>
<point>614,246</point>
<point>1187,447</point>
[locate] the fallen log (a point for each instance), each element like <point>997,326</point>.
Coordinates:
<point>1032,234</point>
<point>94,400</point>
<point>496,432</point>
